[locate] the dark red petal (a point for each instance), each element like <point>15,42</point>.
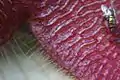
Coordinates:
<point>6,20</point>
<point>12,15</point>
<point>75,37</point>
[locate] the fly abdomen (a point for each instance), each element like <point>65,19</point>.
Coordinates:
<point>111,20</point>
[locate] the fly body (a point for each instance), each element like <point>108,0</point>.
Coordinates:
<point>109,15</point>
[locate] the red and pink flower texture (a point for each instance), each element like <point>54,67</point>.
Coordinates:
<point>72,32</point>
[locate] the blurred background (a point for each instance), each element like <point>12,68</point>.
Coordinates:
<point>22,58</point>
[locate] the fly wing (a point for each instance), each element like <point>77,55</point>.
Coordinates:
<point>114,10</point>
<point>106,10</point>
<point>113,7</point>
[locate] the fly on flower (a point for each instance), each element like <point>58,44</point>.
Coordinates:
<point>109,15</point>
